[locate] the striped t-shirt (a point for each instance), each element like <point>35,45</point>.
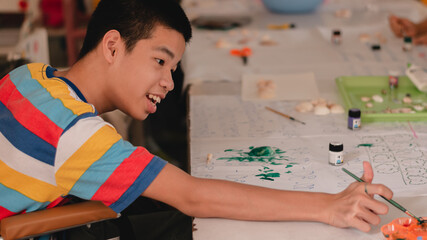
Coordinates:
<point>53,144</point>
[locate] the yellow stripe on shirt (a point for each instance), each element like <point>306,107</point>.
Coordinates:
<point>59,90</point>
<point>92,150</point>
<point>30,187</point>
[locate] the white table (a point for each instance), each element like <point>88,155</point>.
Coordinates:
<point>220,120</point>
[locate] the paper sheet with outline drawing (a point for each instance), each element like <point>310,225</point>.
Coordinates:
<point>398,157</point>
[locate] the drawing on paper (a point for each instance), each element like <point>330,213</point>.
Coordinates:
<point>390,156</point>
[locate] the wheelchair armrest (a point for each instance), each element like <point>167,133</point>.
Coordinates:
<point>54,219</point>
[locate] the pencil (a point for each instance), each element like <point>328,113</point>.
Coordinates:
<point>397,205</point>
<point>284,115</point>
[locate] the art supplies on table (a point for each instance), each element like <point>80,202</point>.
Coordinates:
<point>378,103</point>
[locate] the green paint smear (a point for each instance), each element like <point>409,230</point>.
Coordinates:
<point>365,145</point>
<point>268,176</point>
<point>264,154</point>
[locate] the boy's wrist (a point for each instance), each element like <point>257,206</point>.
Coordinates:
<point>323,203</point>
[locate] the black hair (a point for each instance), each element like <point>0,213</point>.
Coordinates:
<point>135,20</point>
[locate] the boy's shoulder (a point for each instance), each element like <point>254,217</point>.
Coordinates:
<point>55,97</point>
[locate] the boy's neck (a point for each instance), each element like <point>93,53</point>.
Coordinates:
<point>87,75</point>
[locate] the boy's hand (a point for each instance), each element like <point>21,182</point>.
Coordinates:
<point>421,40</point>
<point>402,26</point>
<point>355,206</point>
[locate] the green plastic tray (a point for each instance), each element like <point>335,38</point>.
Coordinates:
<point>353,88</point>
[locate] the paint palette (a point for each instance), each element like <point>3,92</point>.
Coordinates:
<point>404,103</point>
<point>405,228</point>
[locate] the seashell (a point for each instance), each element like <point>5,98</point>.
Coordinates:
<point>336,108</point>
<point>318,101</point>
<point>407,99</point>
<point>267,41</point>
<point>418,107</point>
<point>304,107</point>
<point>221,43</point>
<point>377,98</point>
<point>321,110</point>
<point>364,37</point>
<point>266,89</point>
<point>365,99</point>
<point>369,105</point>
<point>343,13</point>
<point>406,110</point>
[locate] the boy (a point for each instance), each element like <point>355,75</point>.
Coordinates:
<point>53,144</point>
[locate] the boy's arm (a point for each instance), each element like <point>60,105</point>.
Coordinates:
<point>218,198</point>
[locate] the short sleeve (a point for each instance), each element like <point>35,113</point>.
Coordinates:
<point>93,162</point>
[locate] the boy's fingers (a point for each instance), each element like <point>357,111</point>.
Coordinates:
<point>422,40</point>
<point>360,224</point>
<point>368,173</point>
<point>375,207</point>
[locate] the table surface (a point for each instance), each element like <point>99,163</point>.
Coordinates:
<point>223,124</point>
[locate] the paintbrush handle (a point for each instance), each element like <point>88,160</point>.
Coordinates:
<point>284,115</point>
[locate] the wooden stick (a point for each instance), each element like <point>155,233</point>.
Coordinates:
<point>284,115</point>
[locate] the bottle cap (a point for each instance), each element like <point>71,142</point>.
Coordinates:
<point>336,32</point>
<point>376,47</point>
<point>354,112</point>
<point>336,146</point>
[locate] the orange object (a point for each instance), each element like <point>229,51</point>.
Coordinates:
<point>244,53</point>
<point>405,228</point>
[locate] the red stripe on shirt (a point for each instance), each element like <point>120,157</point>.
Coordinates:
<point>5,213</point>
<point>123,177</point>
<point>59,201</point>
<point>26,114</point>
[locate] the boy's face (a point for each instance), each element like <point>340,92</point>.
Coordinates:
<point>142,78</point>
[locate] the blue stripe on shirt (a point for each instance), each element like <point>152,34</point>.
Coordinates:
<point>23,139</point>
<point>93,178</point>
<point>141,183</point>
<point>41,99</point>
<point>17,202</point>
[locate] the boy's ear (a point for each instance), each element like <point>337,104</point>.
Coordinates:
<point>111,44</point>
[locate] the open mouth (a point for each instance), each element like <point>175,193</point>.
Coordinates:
<point>154,99</point>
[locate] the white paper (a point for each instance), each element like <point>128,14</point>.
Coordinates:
<point>228,128</point>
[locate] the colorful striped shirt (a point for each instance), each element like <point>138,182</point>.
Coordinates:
<point>53,144</point>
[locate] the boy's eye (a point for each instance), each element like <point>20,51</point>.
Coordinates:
<point>161,62</point>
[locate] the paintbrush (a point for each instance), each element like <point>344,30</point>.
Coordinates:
<point>397,205</point>
<point>284,115</point>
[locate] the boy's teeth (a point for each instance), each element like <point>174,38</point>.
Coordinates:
<point>155,98</point>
